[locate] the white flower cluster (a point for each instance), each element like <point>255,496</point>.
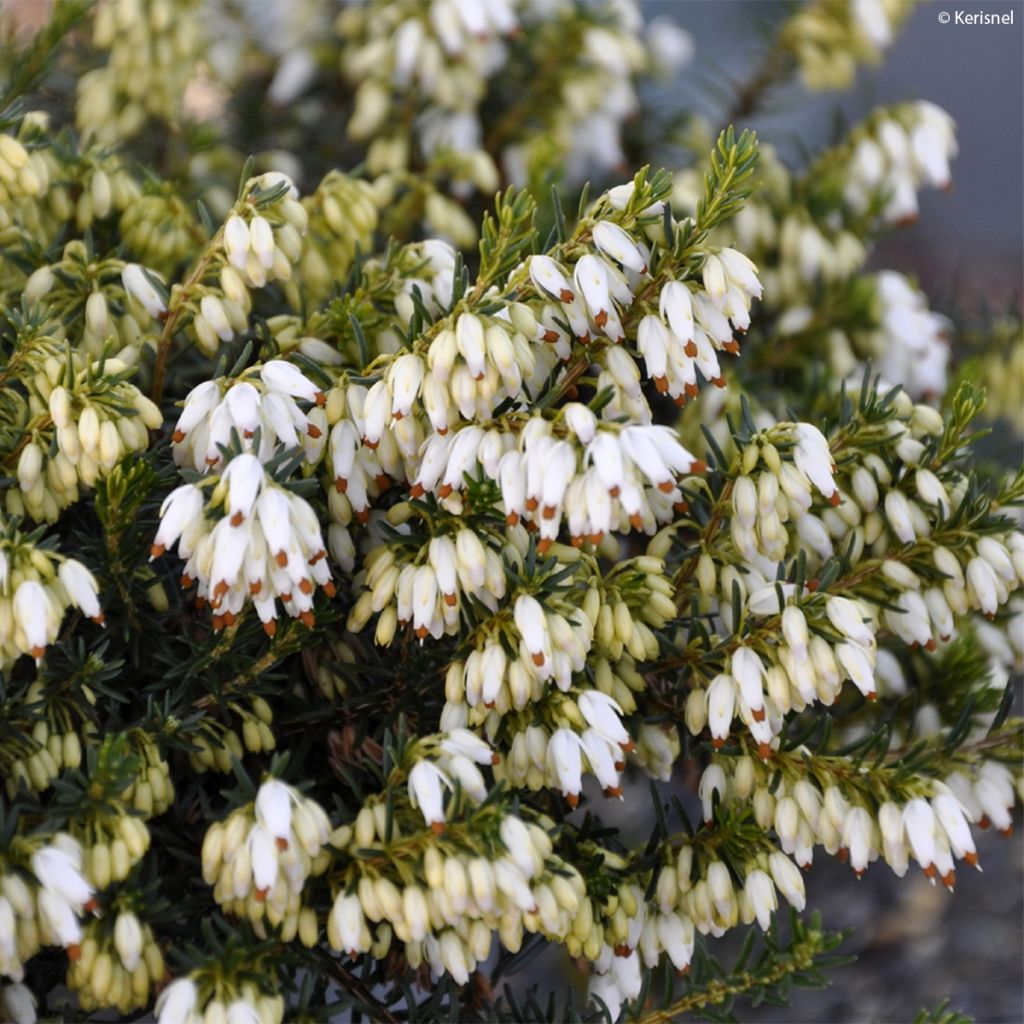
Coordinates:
<point>267,544</point>
<point>259,858</point>
<point>180,1003</point>
<point>894,154</point>
<point>45,909</point>
<point>458,753</point>
<point>19,175</point>
<point>911,345</point>
<point>37,586</point>
<point>932,829</point>
<point>683,905</point>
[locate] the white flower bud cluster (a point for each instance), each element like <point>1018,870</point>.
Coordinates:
<point>259,858</point>
<point>151,791</point>
<point>92,420</point>
<point>896,152</point>
<point>504,877</point>
<point>37,759</point>
<point>118,844</point>
<point>426,589</point>
<point>106,188</point>
<point>159,230</point>
<point>911,344</point>
<point>37,586</point>
<point>260,406</point>
<point>152,53</point>
<point>343,214</point>
<point>117,967</point>
<point>181,1003</point>
<point>217,744</point>
<point>19,173</point>
<point>830,39</point>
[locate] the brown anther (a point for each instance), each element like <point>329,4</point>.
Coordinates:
<point>764,751</point>
<point>681,507</point>
<point>260,895</point>
<point>601,319</point>
<point>398,415</point>
<point>230,618</point>
<point>98,619</point>
<point>718,743</point>
<point>248,433</point>
<point>949,880</point>
<point>270,627</point>
<point>313,430</point>
<point>91,906</point>
<point>584,338</point>
<point>437,827</point>
<point>690,348</point>
<point>417,491</point>
<point>537,657</point>
<point>281,843</point>
<point>732,347</point>
<point>550,336</point>
<point>620,766</point>
<point>178,436</point>
<point>531,504</point>
<point>931,645</point>
<point>596,538</point>
<point>238,518</point>
<point>758,714</point>
<point>156,550</point>
<point>218,623</point>
<point>613,791</point>
<point>286,597</point>
<point>382,480</point>
<point>255,587</point>
<point>970,857</point>
<point>221,588</point>
<point>565,295</point>
<point>615,491</point>
<point>843,854</point>
<point>573,800</point>
<point>512,518</point>
<point>636,521</point>
<point>316,558</point>
<point>661,384</point>
<point>308,619</point>
<point>667,486</point>
<point>983,822</point>
<point>200,603</point>
<point>680,399</point>
<point>872,696</point>
<point>320,398</point>
<point>305,585</point>
<point>421,632</point>
<point>622,950</point>
<point>74,952</point>
<point>544,545</point>
<point>281,558</point>
<point>372,445</point>
<point>549,511</point>
<point>691,390</point>
<point>698,466</point>
<point>576,541</point>
<point>835,499</point>
<point>444,490</point>
<point>718,381</point>
<point>329,588</point>
<point>931,871</point>
<point>451,600</point>
<point>813,584</point>
<point>1006,832</point>
<point>628,746</point>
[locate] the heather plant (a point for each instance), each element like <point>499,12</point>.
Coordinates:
<point>409,484</point>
